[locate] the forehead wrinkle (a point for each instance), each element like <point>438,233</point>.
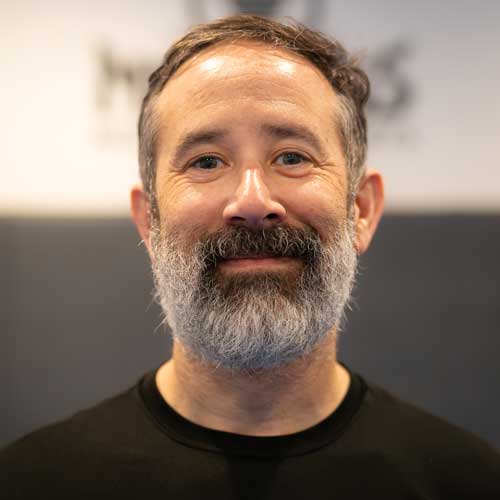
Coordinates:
<point>253,80</point>
<point>251,85</point>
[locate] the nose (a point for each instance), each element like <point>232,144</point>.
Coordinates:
<point>252,203</point>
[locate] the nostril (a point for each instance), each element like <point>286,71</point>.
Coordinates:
<point>236,218</point>
<point>272,216</point>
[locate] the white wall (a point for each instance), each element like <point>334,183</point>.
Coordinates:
<point>69,133</point>
<point>443,152</point>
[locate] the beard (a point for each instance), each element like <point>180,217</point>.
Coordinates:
<point>253,320</point>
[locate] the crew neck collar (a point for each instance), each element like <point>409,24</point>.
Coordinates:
<point>193,435</point>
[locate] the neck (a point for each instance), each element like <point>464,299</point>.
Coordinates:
<point>276,402</point>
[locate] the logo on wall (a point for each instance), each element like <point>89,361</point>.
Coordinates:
<point>393,92</point>
<point>259,7</point>
<point>120,86</point>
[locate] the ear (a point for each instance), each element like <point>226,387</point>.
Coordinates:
<point>368,207</point>
<point>140,210</point>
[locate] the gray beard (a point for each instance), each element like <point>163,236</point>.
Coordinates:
<point>250,322</point>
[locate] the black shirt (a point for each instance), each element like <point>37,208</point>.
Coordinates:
<point>373,446</point>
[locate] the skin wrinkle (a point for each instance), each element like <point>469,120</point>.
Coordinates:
<point>199,138</point>
<point>164,132</point>
<point>325,173</point>
<point>178,181</point>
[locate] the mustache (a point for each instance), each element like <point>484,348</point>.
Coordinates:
<point>276,241</point>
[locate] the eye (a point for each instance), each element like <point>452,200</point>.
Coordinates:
<point>207,162</point>
<point>291,158</point>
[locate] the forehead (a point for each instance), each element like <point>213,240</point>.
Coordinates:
<point>240,81</point>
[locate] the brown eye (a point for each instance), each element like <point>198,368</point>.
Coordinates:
<point>207,163</point>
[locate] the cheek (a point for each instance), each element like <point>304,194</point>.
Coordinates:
<point>189,210</point>
<point>321,206</point>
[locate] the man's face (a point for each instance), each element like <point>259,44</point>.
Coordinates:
<point>253,254</point>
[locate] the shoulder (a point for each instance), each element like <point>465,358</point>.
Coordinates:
<point>401,416</point>
<point>71,449</point>
<point>86,425</point>
<point>452,456</point>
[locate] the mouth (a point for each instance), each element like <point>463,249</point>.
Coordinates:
<point>257,261</point>
<point>258,256</point>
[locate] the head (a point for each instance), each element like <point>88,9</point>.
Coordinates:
<point>252,144</point>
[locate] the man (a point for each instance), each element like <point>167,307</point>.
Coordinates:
<point>255,202</point>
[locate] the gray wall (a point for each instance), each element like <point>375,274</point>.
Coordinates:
<point>78,324</point>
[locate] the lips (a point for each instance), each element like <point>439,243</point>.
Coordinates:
<point>259,256</point>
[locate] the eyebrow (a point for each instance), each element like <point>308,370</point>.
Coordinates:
<point>196,138</point>
<point>277,131</point>
<point>294,131</point>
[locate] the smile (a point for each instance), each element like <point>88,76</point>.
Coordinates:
<point>257,262</point>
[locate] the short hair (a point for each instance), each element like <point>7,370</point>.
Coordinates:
<point>349,81</point>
